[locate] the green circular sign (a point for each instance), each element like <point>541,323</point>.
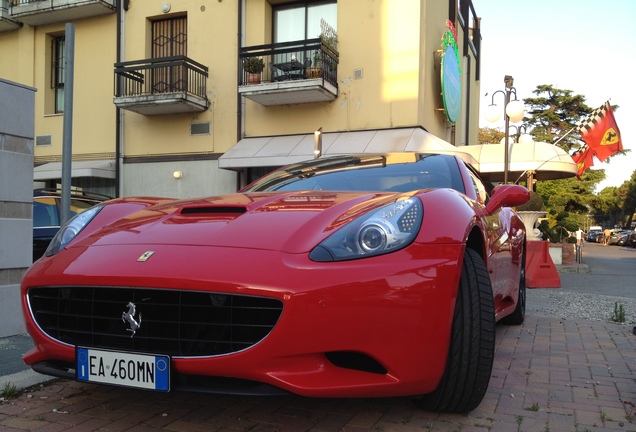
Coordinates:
<point>451,84</point>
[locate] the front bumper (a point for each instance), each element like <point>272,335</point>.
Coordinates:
<point>372,327</point>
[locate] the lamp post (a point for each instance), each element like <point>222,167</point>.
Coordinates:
<point>513,112</point>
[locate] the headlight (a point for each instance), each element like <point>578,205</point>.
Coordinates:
<point>385,230</point>
<point>72,228</point>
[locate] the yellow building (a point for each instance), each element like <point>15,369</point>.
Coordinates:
<point>164,102</point>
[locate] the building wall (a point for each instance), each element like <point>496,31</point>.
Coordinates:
<point>198,177</point>
<point>212,41</point>
<point>16,199</point>
<point>94,111</point>
<point>393,44</point>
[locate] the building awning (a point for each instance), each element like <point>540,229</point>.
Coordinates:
<point>287,149</point>
<point>545,161</point>
<point>94,168</point>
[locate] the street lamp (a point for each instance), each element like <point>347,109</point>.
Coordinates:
<point>521,136</point>
<point>513,112</point>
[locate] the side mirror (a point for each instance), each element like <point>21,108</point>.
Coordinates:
<point>507,195</point>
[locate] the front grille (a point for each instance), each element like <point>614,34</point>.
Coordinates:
<point>176,323</point>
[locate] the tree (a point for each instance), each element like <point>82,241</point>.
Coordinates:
<point>489,135</point>
<point>608,206</point>
<point>553,116</point>
<point>553,113</point>
<point>629,203</point>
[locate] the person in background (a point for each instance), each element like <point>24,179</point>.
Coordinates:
<point>579,236</point>
<point>606,236</point>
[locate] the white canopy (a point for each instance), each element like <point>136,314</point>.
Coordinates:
<point>286,149</point>
<point>90,168</point>
<point>545,161</point>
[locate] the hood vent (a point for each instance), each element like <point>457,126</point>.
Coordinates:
<point>203,210</point>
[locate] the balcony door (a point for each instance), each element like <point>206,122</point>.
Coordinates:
<point>301,21</point>
<point>169,38</point>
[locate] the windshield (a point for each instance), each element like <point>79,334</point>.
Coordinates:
<point>364,173</point>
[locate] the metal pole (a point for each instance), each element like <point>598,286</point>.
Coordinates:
<point>67,131</point>
<point>506,138</point>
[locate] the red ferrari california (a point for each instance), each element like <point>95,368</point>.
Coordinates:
<point>347,276</point>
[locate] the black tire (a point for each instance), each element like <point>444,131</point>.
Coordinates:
<point>472,344</point>
<point>519,314</point>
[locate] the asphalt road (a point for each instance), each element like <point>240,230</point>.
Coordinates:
<point>612,272</point>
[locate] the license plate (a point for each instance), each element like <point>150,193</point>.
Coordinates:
<point>123,369</point>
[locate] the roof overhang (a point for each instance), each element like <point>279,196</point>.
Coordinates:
<point>94,168</point>
<point>288,149</point>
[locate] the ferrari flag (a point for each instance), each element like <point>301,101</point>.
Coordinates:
<point>583,160</point>
<point>600,132</point>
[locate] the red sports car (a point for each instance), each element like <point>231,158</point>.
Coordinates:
<point>348,276</point>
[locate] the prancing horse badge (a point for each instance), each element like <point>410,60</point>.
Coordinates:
<point>145,256</point>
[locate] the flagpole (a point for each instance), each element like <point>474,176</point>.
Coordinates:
<point>566,134</point>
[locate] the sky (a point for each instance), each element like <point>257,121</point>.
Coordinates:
<point>586,46</point>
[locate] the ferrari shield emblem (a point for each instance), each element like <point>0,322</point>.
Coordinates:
<point>610,137</point>
<point>145,256</point>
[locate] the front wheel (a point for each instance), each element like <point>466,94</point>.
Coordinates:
<point>472,344</point>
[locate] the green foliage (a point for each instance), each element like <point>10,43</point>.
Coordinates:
<point>553,113</point>
<point>628,190</point>
<point>489,135</point>
<point>9,391</point>
<point>328,34</point>
<point>534,204</point>
<point>553,233</point>
<point>253,65</point>
<point>619,313</point>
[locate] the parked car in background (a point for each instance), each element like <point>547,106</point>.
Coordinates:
<point>618,237</point>
<point>347,276</point>
<point>47,211</point>
<point>594,237</point>
<point>631,240</point>
<point>623,238</point>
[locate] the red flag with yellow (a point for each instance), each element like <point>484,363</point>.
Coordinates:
<point>600,132</point>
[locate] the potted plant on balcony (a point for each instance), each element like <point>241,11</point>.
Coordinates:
<point>329,37</point>
<point>253,66</point>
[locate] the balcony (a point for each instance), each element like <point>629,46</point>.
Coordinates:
<point>166,85</point>
<point>41,12</point>
<point>297,72</point>
<point>6,23</point>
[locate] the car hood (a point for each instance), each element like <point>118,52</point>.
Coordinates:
<point>293,222</point>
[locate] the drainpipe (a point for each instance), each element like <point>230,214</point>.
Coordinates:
<point>119,114</point>
<point>239,98</point>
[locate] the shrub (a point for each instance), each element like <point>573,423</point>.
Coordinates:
<point>534,204</point>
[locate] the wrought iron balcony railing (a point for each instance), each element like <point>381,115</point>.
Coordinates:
<point>177,74</point>
<point>284,61</point>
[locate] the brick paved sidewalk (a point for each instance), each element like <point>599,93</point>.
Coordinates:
<point>550,375</point>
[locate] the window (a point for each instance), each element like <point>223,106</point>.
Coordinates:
<point>302,20</point>
<point>57,72</point>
